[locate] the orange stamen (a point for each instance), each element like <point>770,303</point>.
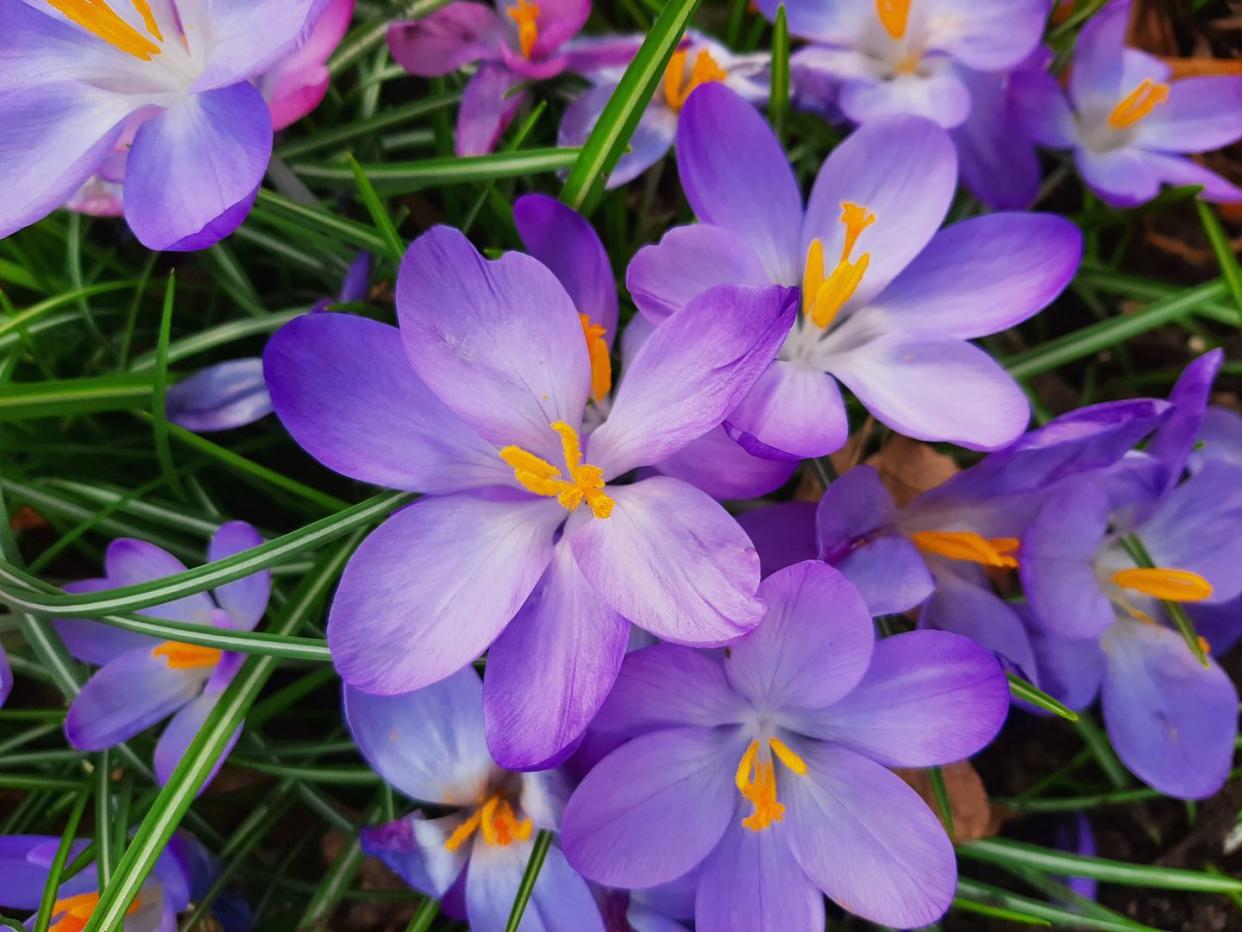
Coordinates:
<point>103,22</point>
<point>823,297</point>
<point>1160,582</point>
<point>968,546</point>
<point>585,482</point>
<point>601,362</point>
<point>705,70</point>
<point>76,911</point>
<point>1138,104</point>
<point>526,15</point>
<point>894,15</point>
<point>756,781</point>
<point>182,656</point>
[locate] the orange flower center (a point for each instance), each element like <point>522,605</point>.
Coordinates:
<point>1138,104</point>
<point>824,296</point>
<point>526,15</point>
<point>76,911</point>
<point>756,781</point>
<point>498,821</point>
<point>968,546</point>
<point>180,656</point>
<point>100,20</point>
<point>704,71</point>
<point>601,362</point>
<point>584,484</point>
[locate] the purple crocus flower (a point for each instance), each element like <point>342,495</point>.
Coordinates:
<point>888,303</point>
<point>699,61</point>
<point>1130,127</point>
<point>765,765</point>
<point>6,677</point>
<point>78,76</point>
<point>479,401</point>
<point>429,744</point>
<point>142,681</point>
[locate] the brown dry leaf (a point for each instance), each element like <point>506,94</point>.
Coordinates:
<point>909,468</point>
<point>810,489</point>
<point>26,519</point>
<point>1203,67</point>
<point>973,814</point>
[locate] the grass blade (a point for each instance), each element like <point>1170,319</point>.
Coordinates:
<point>1021,689</point>
<point>778,100</point>
<point>538,852</point>
<point>66,397</point>
<point>408,177</point>
<point>1223,249</point>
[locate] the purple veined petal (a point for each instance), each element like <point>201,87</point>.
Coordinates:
<point>1069,670</point>
<point>94,641</point>
<point>993,37</point>
<point>688,261</point>
<point>904,171</point>
<point>357,279</point>
<point>443,41</point>
<point>1220,438</point>
<point>564,241</point>
<point>194,170</point>
<point>1123,177</point>
<point>588,54</point>
<point>543,796</point>
<point>488,106</point>
<point>813,19</point>
<point>867,840</point>
<point>37,44</point>
<point>409,609</point>
<point>813,645</point>
<point>672,561</point>
<point>927,386</point>
<point>793,412</point>
<point>723,469</point>
<point>344,388</point>
<point>181,731</point>
<point>997,160</point>
<point>833,64</point>
<point>1219,623</point>
<point>245,599</point>
<point>752,882</point>
<point>6,677</point>
<point>736,176</point>
<point>667,686</point>
<point>1174,441</point>
<point>127,696</point>
<point>129,561</point>
<point>427,743</point>
<point>973,611</point>
<point>783,534</point>
<point>221,397</point>
<point>654,808</point>
<point>413,847</point>
<point>1041,109</point>
<point>1096,77</point>
<point>98,197</point>
<point>248,37</point>
<point>297,84</point>
<point>21,879</point>
<point>889,573</point>
<point>1200,114</point>
<point>550,670</point>
<point>691,372</point>
<point>499,342</point>
<point>1172,721</point>
<point>1173,169</point>
<point>940,97</point>
<point>928,698</point>
<point>651,140</point>
<point>854,507</point>
<point>644,918</point>
<point>560,899</point>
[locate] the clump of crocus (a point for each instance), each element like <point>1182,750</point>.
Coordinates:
<point>1130,123</point>
<point>141,680</point>
<point>764,765</point>
<point>889,301</point>
<point>429,744</point>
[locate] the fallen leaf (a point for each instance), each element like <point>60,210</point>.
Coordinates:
<point>908,468</point>
<point>974,816</point>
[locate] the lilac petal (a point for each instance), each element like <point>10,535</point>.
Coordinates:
<point>752,882</point>
<point>985,275</point>
<point>1121,177</point>
<point>813,606</point>
<point>783,534</point>
<point>440,43</point>
<point>1041,109</point>
<point>129,562</point>
<point>1078,839</point>
<point>998,161</point>
<point>686,262</point>
<point>560,899</point>
<point>1220,624</point>
<point>672,561</point>
<point>244,599</point>
<point>1173,169</point>
<point>735,175</point>
<point>854,507</point>
<point>889,573</point>
<point>127,696</point>
<point>928,386</point>
<point>588,54</point>
<point>654,808</point>
<point>93,641</point>
<point>994,37</point>
<point>1200,114</point>
<point>814,19</point>
<point>928,698</point>
<point>499,341</point>
<point>973,611</point>
<point>357,279</point>
<point>344,388</point>
<point>940,97</point>
<point>6,677</point>
<point>1172,721</point>
<point>651,140</point>
<point>428,743</point>
<point>1096,79</point>
<point>1174,440</point>
<point>867,840</point>
<point>487,108</point>
<point>723,469</point>
<point>22,880</point>
<point>414,847</point>
<point>298,83</point>
<point>409,609</point>
<point>1069,670</point>
<point>551,668</point>
<point>181,731</point>
<point>903,170</point>
<point>248,37</point>
<point>1220,438</point>
<point>564,241</point>
<point>794,412</point>
<point>691,372</point>
<point>221,397</point>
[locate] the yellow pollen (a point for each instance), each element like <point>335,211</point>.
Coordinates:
<point>756,781</point>
<point>601,362</point>
<point>893,16</point>
<point>968,546</point>
<point>704,71</point>
<point>186,656</point>
<point>585,483</point>
<point>823,297</point>
<point>1204,645</point>
<point>1162,583</point>
<point>100,20</point>
<point>498,821</point>
<point>908,65</point>
<point>76,911</point>
<point>1138,104</point>
<point>525,14</point>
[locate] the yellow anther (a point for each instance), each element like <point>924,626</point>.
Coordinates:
<point>705,70</point>
<point>756,781</point>
<point>464,831</point>
<point>1163,583</point>
<point>585,482</point>
<point>893,16</point>
<point>968,546</point>
<point>500,824</point>
<point>76,911</point>
<point>180,656</point>
<point>601,362</point>
<point>787,756</point>
<point>823,298</point>
<point>526,15</point>
<point>1205,646</point>
<point>100,20</point>
<point>1138,104</point>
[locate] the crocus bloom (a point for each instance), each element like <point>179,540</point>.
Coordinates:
<point>765,765</point>
<point>888,303</point>
<point>75,76</point>
<point>698,61</point>
<point>6,676</point>
<point>143,681</point>
<point>1129,125</point>
<point>429,744</point>
<point>478,401</point>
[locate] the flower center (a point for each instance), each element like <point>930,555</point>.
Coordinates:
<point>893,16</point>
<point>99,19</point>
<point>1138,104</point>
<point>968,546</point>
<point>498,821</point>
<point>526,15</point>
<point>180,656</point>
<point>1161,582</point>
<point>75,911</point>
<point>704,70</point>
<point>756,781</point>
<point>601,362</point>
<point>585,482</point>
<point>823,297</point>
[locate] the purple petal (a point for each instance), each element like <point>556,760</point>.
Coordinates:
<point>559,900</point>
<point>997,160</point>
<point>93,641</point>
<point>357,278</point>
<point>558,22</point>
<point>6,677</point>
<point>1041,109</point>
<point>440,43</point>
<point>1200,114</point>
<point>940,97</point>
<point>783,534</point>
<point>854,507</point>
<point>672,561</point>
<point>487,108</point>
<point>245,599</point>
<point>21,879</point>
<point>793,412</point>
<point>1174,440</point>
<point>588,54</point>
<point>129,562</point>
<point>973,611</point>
<point>428,743</point>
<point>993,37</point>
<point>723,469</point>
<point>1220,438</point>
<point>221,397</point>
<point>1121,177</point>
<point>296,85</point>
<point>1173,169</point>
<point>1077,838</point>
<point>814,19</point>
<point>651,140</point>
<point>889,573</point>
<point>181,731</point>
<point>414,847</point>
<point>1069,670</point>
<point>1096,76</point>
<point>249,36</point>
<point>409,609</point>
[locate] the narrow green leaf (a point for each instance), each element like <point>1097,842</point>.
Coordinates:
<point>997,912</point>
<point>62,397</point>
<point>14,323</point>
<point>379,214</point>
<point>370,35</point>
<point>778,100</point>
<point>159,407</point>
<point>36,781</point>
<point>336,881</point>
<point>1021,689</point>
<point>1059,916</point>
<point>941,792</point>
<point>538,852</point>
<point>1223,249</point>
<point>408,177</point>
<point>339,776</point>
<point>103,815</point>
<point>320,220</point>
<point>425,915</point>
<point>51,887</point>
<point>1138,553</point>
<point>385,119</point>
<point>1098,744</point>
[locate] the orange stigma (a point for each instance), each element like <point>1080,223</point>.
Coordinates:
<point>182,656</point>
<point>1162,583</point>
<point>704,71</point>
<point>499,823</point>
<point>894,15</point>
<point>76,911</point>
<point>526,15</point>
<point>823,297</point>
<point>756,781</point>
<point>1138,104</point>
<point>585,482</point>
<point>601,362</point>
<point>103,22</point>
<point>970,547</point>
